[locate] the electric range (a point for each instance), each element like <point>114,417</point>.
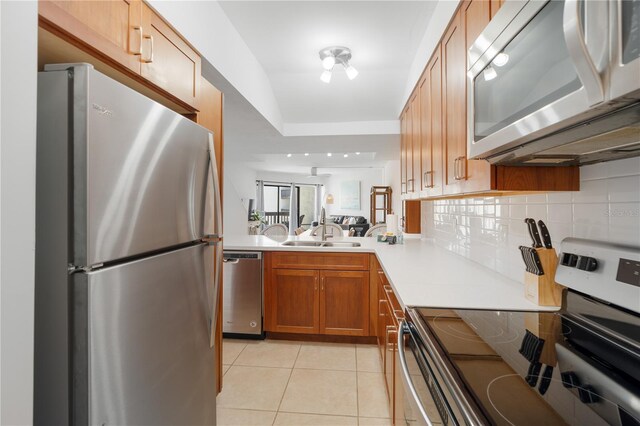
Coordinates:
<point>579,365</point>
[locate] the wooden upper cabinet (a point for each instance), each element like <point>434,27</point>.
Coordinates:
<point>416,148</point>
<point>344,303</point>
<point>408,145</point>
<point>495,5</point>
<point>431,122</point>
<point>454,105</point>
<point>292,301</point>
<point>110,29</point>
<point>167,60</point>
<point>403,152</point>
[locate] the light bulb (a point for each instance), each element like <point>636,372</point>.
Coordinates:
<point>357,153</point>
<point>489,74</point>
<point>501,59</point>
<point>288,155</point>
<point>328,63</point>
<point>351,72</point>
<point>326,76</point>
<point>328,154</point>
<point>346,155</point>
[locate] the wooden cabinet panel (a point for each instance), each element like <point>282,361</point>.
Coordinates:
<point>495,6</point>
<point>403,153</point>
<point>308,260</point>
<point>454,106</point>
<point>344,303</point>
<point>409,141</point>
<point>416,147</point>
<point>167,60</point>
<point>292,300</point>
<point>110,28</point>
<point>412,216</point>
<point>431,118</point>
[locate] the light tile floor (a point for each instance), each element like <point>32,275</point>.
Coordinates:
<point>275,382</point>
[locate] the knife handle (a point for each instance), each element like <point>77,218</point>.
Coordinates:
<point>533,232</point>
<point>546,238</point>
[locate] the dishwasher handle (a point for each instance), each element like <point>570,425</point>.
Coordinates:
<point>229,260</point>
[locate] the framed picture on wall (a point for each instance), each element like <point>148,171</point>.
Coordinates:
<point>350,194</point>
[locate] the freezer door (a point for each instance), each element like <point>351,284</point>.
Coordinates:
<point>141,351</point>
<point>140,172</point>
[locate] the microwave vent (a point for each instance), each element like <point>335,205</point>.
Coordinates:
<point>550,160</point>
<point>618,139</point>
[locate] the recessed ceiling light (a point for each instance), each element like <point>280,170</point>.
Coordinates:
<point>346,155</point>
<point>306,154</point>
<point>288,155</point>
<point>357,153</point>
<point>328,154</point>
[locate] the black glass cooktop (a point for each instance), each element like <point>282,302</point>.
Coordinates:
<point>543,368</point>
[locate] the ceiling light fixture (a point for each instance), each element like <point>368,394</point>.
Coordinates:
<point>288,155</point>
<point>346,155</point>
<point>330,56</point>
<point>306,154</point>
<point>357,153</point>
<point>328,154</point>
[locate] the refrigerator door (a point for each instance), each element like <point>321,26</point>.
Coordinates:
<point>141,351</point>
<point>140,170</point>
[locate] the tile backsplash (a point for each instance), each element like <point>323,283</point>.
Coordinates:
<point>489,230</point>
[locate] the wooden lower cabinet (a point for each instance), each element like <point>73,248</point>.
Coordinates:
<point>390,315</point>
<point>319,300</point>
<point>292,301</point>
<point>344,303</point>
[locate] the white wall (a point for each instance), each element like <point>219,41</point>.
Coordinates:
<point>239,187</point>
<point>206,26</point>
<point>18,34</point>
<point>392,179</point>
<point>367,178</point>
<point>489,230</point>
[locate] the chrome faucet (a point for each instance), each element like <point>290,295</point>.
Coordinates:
<point>323,223</point>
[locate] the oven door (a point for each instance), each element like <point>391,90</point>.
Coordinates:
<point>534,70</point>
<point>625,49</point>
<point>426,397</point>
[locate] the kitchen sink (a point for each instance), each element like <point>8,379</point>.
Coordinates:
<point>321,244</point>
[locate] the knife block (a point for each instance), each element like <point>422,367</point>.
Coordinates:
<point>548,328</point>
<point>543,289</point>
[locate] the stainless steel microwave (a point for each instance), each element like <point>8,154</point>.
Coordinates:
<point>556,82</point>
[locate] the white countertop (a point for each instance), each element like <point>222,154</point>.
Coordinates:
<point>420,273</point>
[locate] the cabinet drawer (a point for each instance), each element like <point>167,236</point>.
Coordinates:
<point>309,260</point>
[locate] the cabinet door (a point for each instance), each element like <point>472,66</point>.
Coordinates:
<point>495,5</point>
<point>409,140</point>
<point>167,60</point>
<point>403,153</point>
<point>417,143</point>
<point>292,301</point>
<point>431,122</point>
<point>110,28</point>
<point>382,321</point>
<point>391,331</point>
<point>344,303</point>
<point>454,104</point>
<point>476,173</point>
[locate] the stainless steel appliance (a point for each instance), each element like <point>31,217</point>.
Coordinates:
<point>578,366</point>
<point>556,82</point>
<point>128,257</point>
<point>243,287</point>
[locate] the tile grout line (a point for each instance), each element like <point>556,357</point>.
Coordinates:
<point>287,385</point>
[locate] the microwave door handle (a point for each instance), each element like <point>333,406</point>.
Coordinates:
<point>407,376</point>
<point>573,34</point>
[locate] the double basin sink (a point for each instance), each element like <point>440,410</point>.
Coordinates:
<point>321,244</point>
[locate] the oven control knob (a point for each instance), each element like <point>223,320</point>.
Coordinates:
<point>587,263</point>
<point>569,380</point>
<point>569,259</point>
<point>588,394</point>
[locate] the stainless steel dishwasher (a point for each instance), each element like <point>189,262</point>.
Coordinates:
<point>242,307</point>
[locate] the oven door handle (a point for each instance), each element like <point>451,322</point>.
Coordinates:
<point>402,329</point>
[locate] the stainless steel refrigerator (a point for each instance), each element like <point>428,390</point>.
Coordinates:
<point>128,257</point>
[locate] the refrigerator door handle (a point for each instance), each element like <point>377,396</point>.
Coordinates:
<point>215,239</point>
